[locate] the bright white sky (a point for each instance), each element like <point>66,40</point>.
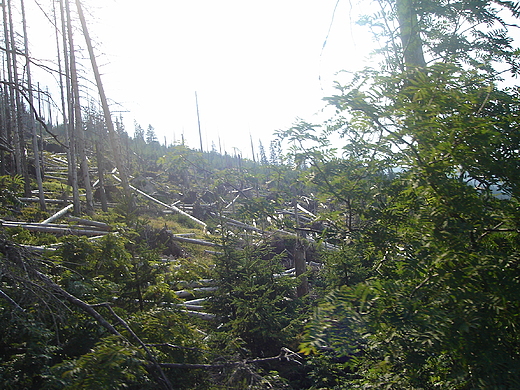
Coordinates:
<point>255,64</point>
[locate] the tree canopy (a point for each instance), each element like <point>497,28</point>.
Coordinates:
<point>438,241</point>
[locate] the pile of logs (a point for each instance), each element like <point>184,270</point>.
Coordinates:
<point>81,226</point>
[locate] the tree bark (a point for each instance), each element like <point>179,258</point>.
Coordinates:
<point>67,120</point>
<point>410,34</point>
<point>300,263</point>
<point>57,215</point>
<point>101,176</point>
<point>78,122</point>
<point>12,135</point>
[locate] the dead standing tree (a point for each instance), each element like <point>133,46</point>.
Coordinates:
<point>12,136</point>
<point>78,123</point>
<point>106,109</point>
<point>68,108</point>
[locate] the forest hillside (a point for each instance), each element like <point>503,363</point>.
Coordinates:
<point>388,258</point>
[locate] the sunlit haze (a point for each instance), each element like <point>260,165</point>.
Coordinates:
<point>256,65</point>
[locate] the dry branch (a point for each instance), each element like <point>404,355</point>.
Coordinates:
<point>151,356</point>
<point>34,110</point>
<point>89,309</point>
<point>175,347</point>
<point>285,355</point>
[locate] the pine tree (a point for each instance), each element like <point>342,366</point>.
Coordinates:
<point>150,135</point>
<point>138,132</point>
<point>263,156</point>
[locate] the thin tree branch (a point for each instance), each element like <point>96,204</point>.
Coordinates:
<point>35,112</point>
<point>11,301</point>
<point>284,355</point>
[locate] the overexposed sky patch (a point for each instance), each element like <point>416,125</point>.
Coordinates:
<point>256,65</point>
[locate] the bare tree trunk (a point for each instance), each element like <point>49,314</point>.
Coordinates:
<point>36,153</point>
<point>67,108</point>
<point>106,110</point>
<point>300,263</point>
<point>78,123</point>
<point>12,134</point>
<point>409,32</point>
<point>101,166</point>
<point>300,266</point>
<point>40,127</point>
<point>3,123</point>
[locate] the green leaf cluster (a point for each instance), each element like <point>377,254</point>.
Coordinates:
<point>255,305</point>
<point>427,280</point>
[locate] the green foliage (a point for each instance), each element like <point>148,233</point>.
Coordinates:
<point>421,202</point>
<point>33,214</point>
<point>257,210</point>
<point>112,364</point>
<point>26,348</point>
<point>427,283</point>
<point>254,306</point>
<point>114,267</point>
<point>127,211</point>
<point>326,371</point>
<point>150,135</point>
<point>348,266</point>
<point>24,236</point>
<point>172,338</point>
<point>10,188</point>
<point>47,344</point>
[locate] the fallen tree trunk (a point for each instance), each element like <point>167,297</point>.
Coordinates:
<point>59,214</point>
<point>197,283</point>
<point>63,179</point>
<point>191,307</point>
<point>192,240</point>
<point>171,207</point>
<point>58,225</point>
<point>34,248</point>
<point>196,301</point>
<point>34,200</point>
<point>78,231</point>
<point>201,315</point>
<point>190,293</point>
<point>99,225</point>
